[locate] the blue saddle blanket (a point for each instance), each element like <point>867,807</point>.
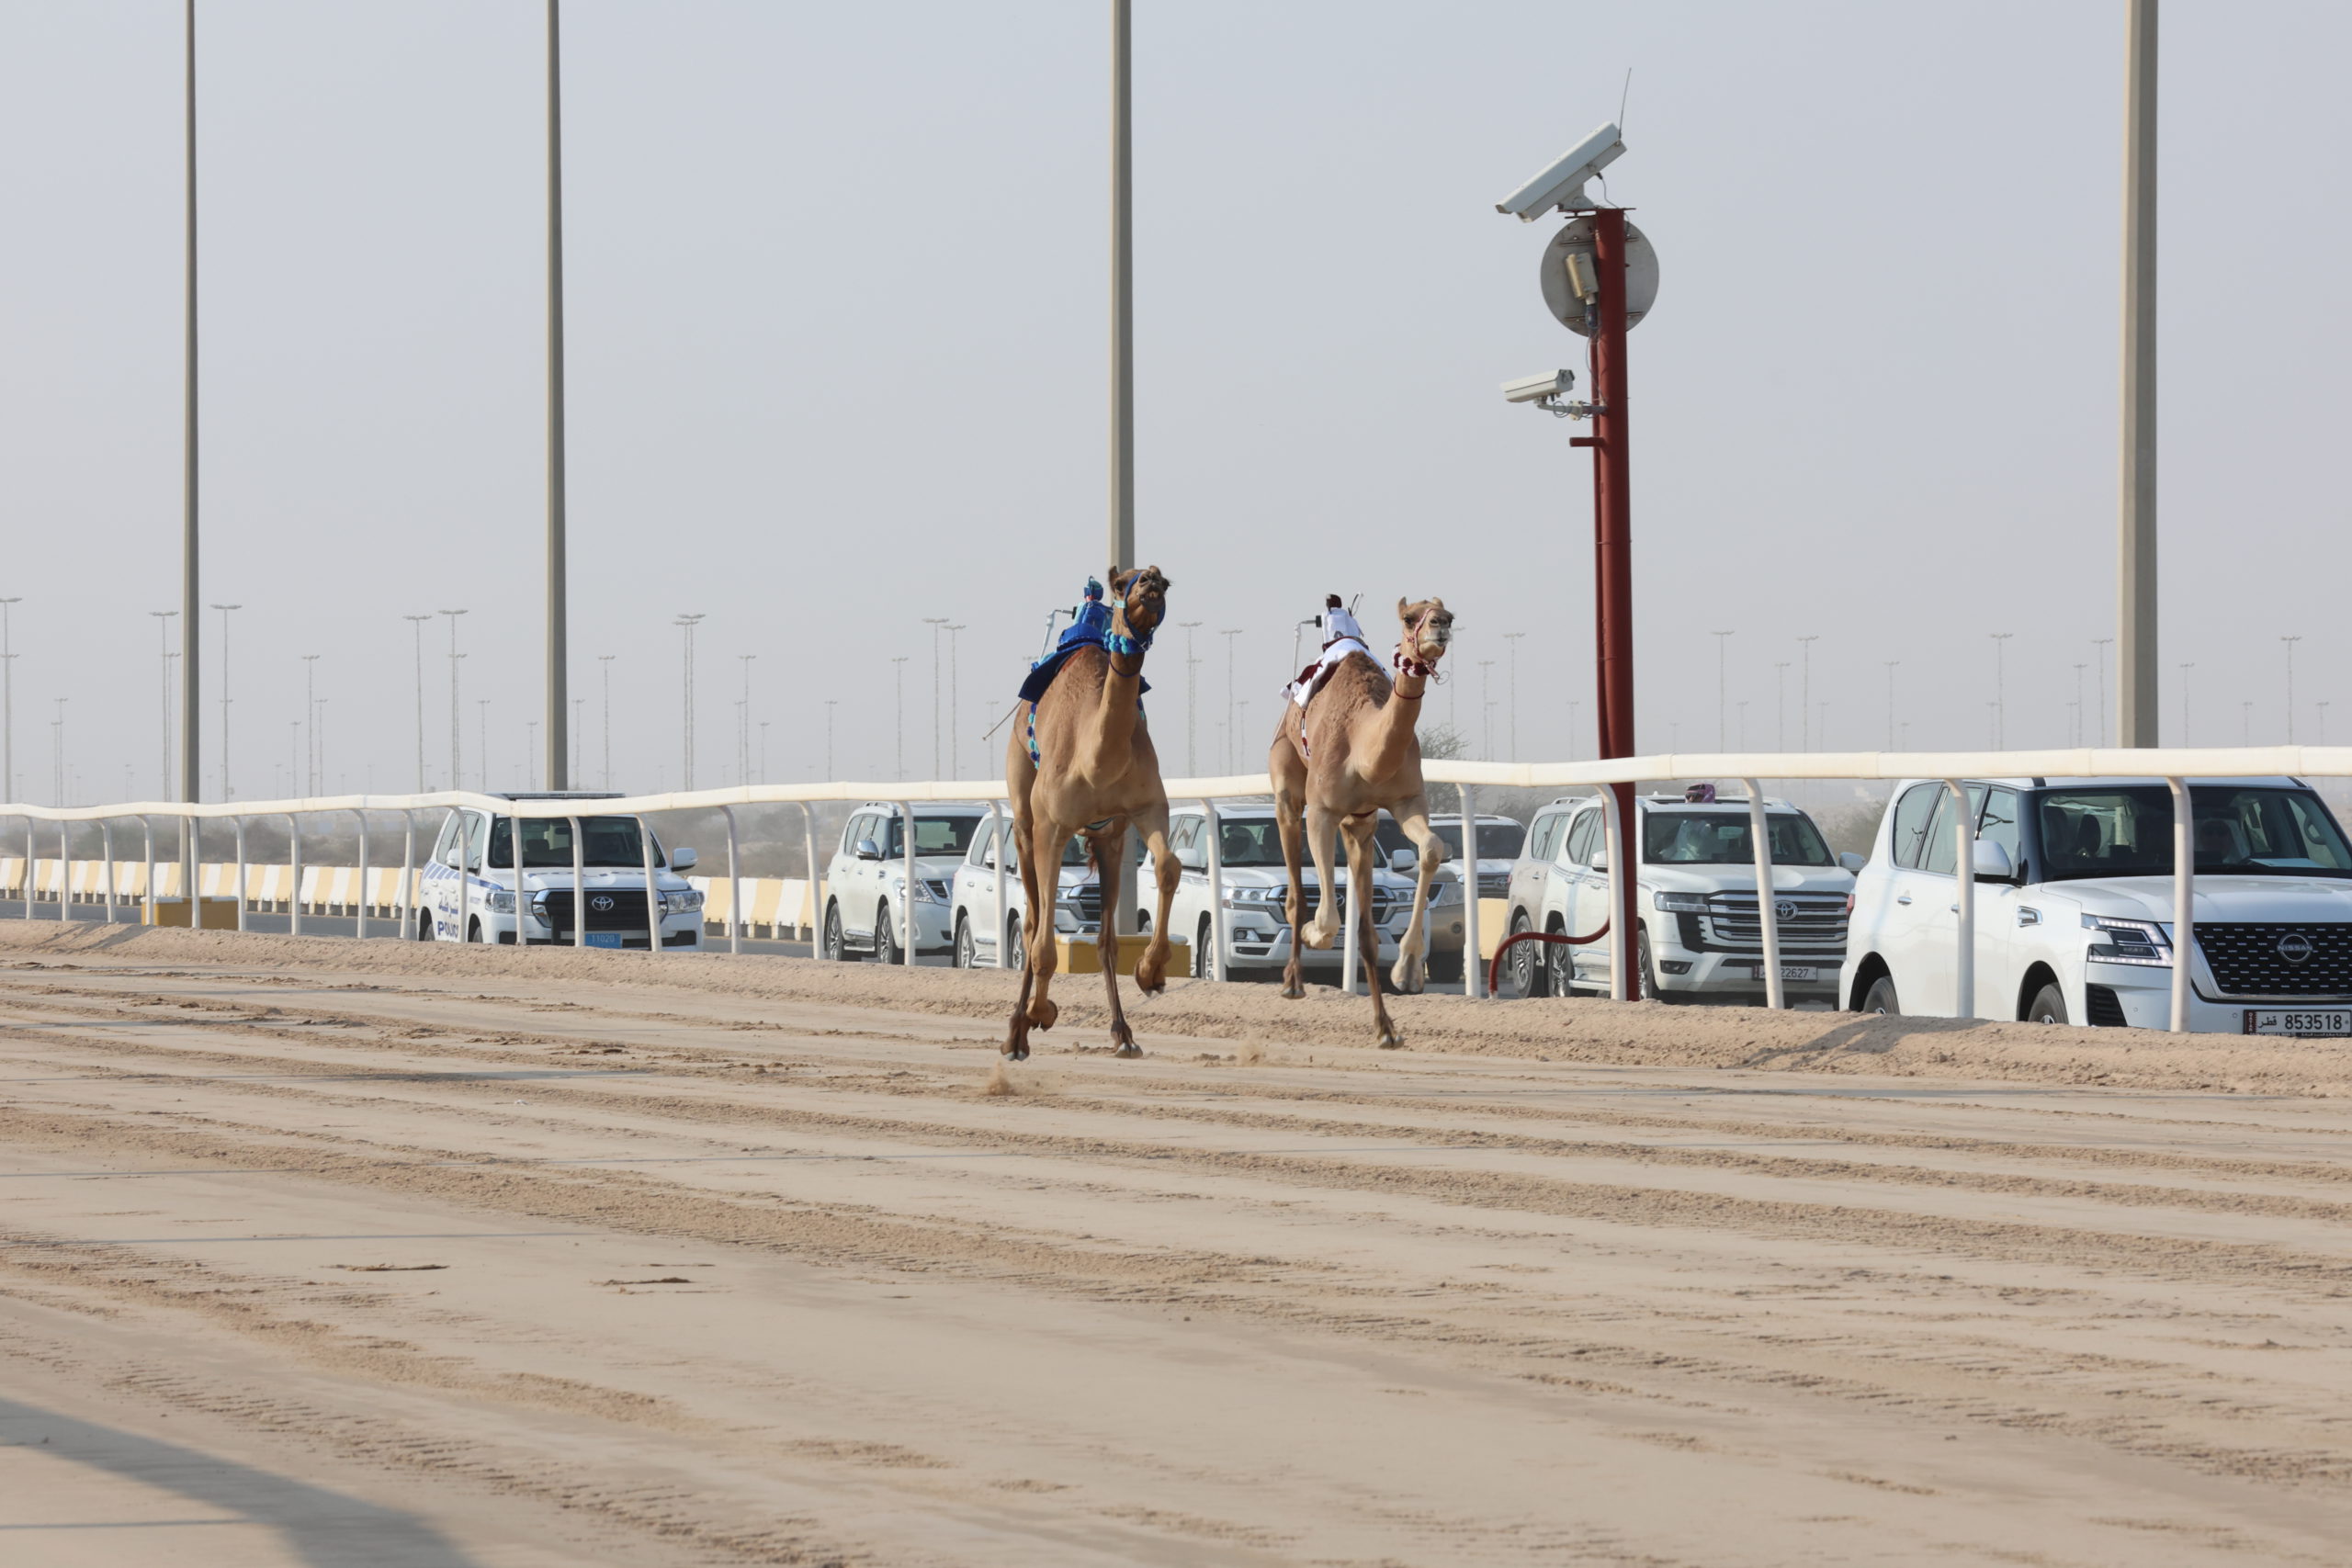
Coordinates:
<point>1042,672</point>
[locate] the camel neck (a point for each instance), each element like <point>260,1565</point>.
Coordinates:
<point>1400,718</point>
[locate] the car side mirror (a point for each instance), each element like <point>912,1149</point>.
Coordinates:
<point>1853,862</point>
<point>868,850</point>
<point>1993,862</point>
<point>1600,860</point>
<point>683,860</point>
<point>1405,863</point>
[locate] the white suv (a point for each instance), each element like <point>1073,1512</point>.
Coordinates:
<point>977,925</point>
<point>466,891</point>
<point>865,900</point>
<point>1699,935</point>
<point>1257,930</point>
<point>2075,904</point>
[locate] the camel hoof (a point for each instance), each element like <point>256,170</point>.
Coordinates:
<point>1042,1013</point>
<point>1151,971</point>
<point>1318,938</point>
<point>1407,977</point>
<point>1016,1053</point>
<point>1293,990</point>
<point>1391,1041</point>
<point>1128,1050</point>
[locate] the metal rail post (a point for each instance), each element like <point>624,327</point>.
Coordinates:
<point>906,897</point>
<point>579,889</point>
<point>360,910</point>
<point>1474,967</point>
<point>31,879</point>
<point>241,873</point>
<point>1343,894</point>
<point>2184,887</point>
<point>1214,828</point>
<point>407,905</point>
<point>294,894</point>
<point>653,894</point>
<point>998,818</point>
<point>1622,932</point>
<point>106,847</point>
<point>1767,917</point>
<point>147,828</point>
<point>816,883</point>
<point>1964,905</point>
<point>734,889</point>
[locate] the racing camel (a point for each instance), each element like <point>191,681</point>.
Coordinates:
<point>1340,759</point>
<point>1081,762</point>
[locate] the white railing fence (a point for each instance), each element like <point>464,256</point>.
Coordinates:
<point>144,877</point>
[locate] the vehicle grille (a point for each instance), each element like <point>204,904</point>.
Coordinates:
<point>1087,899</point>
<point>1494,884</point>
<point>2246,959</point>
<point>2106,1008</point>
<point>1384,902</point>
<point>626,913</point>
<point>1817,923</point>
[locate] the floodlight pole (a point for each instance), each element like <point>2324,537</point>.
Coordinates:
<point>1123,915</point>
<point>559,655</point>
<point>2135,624</point>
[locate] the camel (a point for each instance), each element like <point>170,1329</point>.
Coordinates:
<point>1349,754</point>
<point>1081,762</point>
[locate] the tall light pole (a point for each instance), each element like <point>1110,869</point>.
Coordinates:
<point>457,709</point>
<point>1512,639</point>
<point>559,655</point>
<point>2136,587</point>
<point>1232,719</point>
<point>685,625</point>
<point>2079,710</point>
<point>2291,642</point>
<point>8,702</point>
<point>311,717</point>
<point>938,749</point>
<point>898,681</point>
<point>1192,692</point>
<point>1890,701</point>
<point>1805,693</point>
<point>163,647</point>
<point>607,661</point>
<point>2000,692</point>
<point>954,702</point>
<point>1723,690</point>
<point>228,787</point>
<point>191,603</point>
<point>416,625</point>
<point>1123,304</point>
<point>2100,643</point>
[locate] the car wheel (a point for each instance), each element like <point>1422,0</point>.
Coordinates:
<point>832,948</point>
<point>963,942</point>
<point>473,931</point>
<point>1445,968</point>
<point>1526,973</point>
<point>1648,970</point>
<point>424,924</point>
<point>885,937</point>
<point>2048,1005</point>
<point>1881,998</point>
<point>1560,967</point>
<point>1014,954</point>
<point>1201,940</point>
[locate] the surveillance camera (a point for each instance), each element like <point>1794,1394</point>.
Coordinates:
<point>1540,389</point>
<point>1562,185</point>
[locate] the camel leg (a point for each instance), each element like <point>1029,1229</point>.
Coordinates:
<point>1041,879</point>
<point>1016,1036</point>
<point>1108,848</point>
<point>1289,822</point>
<point>1413,817</point>
<point>1151,970</point>
<point>1360,876</point>
<point>1322,829</point>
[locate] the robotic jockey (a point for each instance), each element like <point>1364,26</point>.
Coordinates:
<point>1341,637</point>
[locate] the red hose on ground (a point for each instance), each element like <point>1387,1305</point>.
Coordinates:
<point>1557,939</point>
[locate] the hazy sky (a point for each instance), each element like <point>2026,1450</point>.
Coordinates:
<point>838,343</point>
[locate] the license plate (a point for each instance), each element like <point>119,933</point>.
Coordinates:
<point>1793,972</point>
<point>2309,1022</point>
<point>603,939</point>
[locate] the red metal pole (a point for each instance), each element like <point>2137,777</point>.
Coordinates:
<point>1612,554</point>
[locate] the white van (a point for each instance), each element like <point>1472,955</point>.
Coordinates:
<point>466,889</point>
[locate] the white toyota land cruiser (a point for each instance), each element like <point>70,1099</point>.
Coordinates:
<point>466,890</point>
<point>2074,902</point>
<point>866,886</point>
<point>1699,935</point>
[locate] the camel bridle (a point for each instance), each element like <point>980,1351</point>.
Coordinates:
<point>1407,663</point>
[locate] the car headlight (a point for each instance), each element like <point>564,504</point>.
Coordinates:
<point>502,901</point>
<point>1443,891</point>
<point>2129,941</point>
<point>1682,903</point>
<point>1255,898</point>
<point>681,903</point>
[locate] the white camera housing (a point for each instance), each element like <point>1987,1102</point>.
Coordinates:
<point>1561,187</point>
<point>1540,389</point>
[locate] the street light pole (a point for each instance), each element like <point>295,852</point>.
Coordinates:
<point>191,603</point>
<point>227,788</point>
<point>1123,311</point>
<point>954,702</point>
<point>456,710</point>
<point>2136,588</point>
<point>558,675</point>
<point>685,625</point>
<point>417,623</point>
<point>938,753</point>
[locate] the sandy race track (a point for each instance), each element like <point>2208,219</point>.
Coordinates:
<point>316,1252</point>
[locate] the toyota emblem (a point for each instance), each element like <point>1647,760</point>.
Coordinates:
<point>2295,947</point>
<point>602,903</point>
<point>1785,909</point>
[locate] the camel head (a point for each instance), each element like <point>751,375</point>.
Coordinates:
<point>1143,595</point>
<point>1429,630</point>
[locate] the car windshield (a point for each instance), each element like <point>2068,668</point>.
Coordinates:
<point>1497,840</point>
<point>1250,842</point>
<point>1720,838</point>
<point>2128,831</point>
<point>933,836</point>
<point>546,842</point>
